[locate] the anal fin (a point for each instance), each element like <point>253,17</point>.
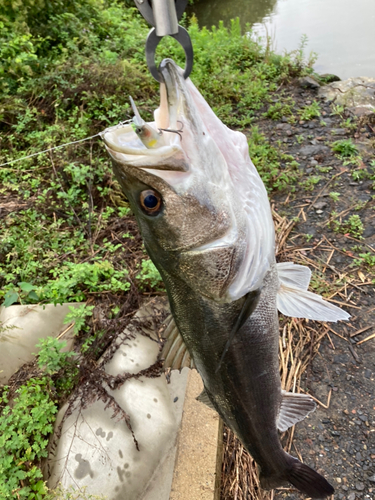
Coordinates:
<point>174,351</point>
<point>293,409</point>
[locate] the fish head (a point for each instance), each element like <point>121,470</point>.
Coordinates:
<point>191,195</point>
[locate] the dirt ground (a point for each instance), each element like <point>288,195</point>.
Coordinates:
<point>338,440</point>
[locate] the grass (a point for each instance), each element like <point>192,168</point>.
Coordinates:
<point>68,235</point>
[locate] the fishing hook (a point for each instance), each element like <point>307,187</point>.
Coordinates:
<point>179,131</point>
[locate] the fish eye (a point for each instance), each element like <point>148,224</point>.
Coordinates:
<point>151,202</point>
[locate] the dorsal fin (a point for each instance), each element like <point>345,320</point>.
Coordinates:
<point>174,351</point>
<point>293,409</point>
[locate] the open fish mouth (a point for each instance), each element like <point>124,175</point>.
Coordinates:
<point>169,123</point>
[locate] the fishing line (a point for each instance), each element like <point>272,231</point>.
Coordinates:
<point>62,145</point>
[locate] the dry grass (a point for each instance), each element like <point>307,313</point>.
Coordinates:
<point>299,343</point>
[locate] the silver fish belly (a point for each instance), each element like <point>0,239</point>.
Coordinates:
<point>206,222</point>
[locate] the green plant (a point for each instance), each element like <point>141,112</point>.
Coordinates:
<point>359,174</point>
<point>78,315</point>
<point>345,148</point>
<point>73,281</point>
<point>310,182</point>
<point>149,275</point>
<point>268,161</point>
<point>354,226</point>
<point>24,293</point>
<point>334,196</point>
<point>337,109</point>
<point>300,139</point>
<point>310,112</point>
<point>50,357</point>
<point>308,237</point>
<point>279,109</point>
<point>367,259</point>
<point>24,428</point>
<point>322,169</point>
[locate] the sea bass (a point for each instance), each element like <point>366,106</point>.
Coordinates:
<point>206,222</point>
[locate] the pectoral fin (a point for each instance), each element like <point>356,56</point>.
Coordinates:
<point>203,398</point>
<point>251,301</point>
<point>300,303</point>
<point>293,409</point>
<point>174,351</point>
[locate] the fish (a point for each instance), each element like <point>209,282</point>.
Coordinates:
<point>206,222</point>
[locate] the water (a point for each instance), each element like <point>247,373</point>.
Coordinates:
<point>341,32</point>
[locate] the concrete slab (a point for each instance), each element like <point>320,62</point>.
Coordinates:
<point>21,327</point>
<point>199,451</point>
<point>94,450</point>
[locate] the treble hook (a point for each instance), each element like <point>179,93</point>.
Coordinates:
<point>179,131</point>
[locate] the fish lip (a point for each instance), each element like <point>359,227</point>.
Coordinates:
<point>173,79</point>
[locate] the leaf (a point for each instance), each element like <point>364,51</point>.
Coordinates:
<point>10,298</point>
<point>26,287</point>
<point>33,296</point>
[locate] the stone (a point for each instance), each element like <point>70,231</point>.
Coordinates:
<point>351,496</point>
<point>319,205</point>
<point>338,131</point>
<point>368,232</point>
<point>308,82</point>
<point>372,478</point>
<point>330,78</point>
<point>314,150</point>
<point>23,326</point>
<point>359,486</point>
<point>357,94</point>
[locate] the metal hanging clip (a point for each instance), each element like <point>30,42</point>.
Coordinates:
<point>164,16</point>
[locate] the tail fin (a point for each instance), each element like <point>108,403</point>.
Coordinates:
<point>308,481</point>
<point>302,477</point>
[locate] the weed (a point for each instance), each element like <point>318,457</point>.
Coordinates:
<point>353,226</point>
<point>25,292</point>
<point>308,237</point>
<point>359,174</point>
<point>345,148</point>
<point>300,139</point>
<point>50,357</point>
<point>310,182</point>
<point>367,259</point>
<point>78,315</point>
<point>279,109</point>
<point>309,112</point>
<point>322,169</point>
<point>268,161</point>
<point>337,109</point>
<point>334,196</point>
<point>24,428</point>
<point>149,275</point>
<point>319,284</point>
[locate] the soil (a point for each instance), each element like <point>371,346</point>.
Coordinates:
<point>338,441</point>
